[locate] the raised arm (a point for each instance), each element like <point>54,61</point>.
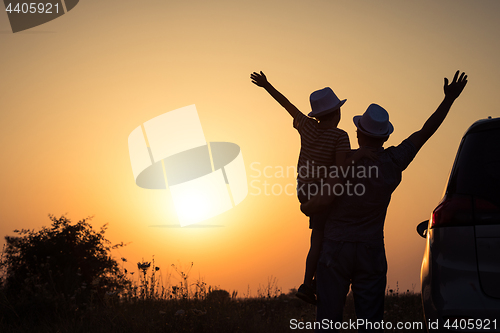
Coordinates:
<point>260,80</point>
<point>451,93</point>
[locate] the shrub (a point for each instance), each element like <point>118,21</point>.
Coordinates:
<point>65,262</point>
<point>218,296</point>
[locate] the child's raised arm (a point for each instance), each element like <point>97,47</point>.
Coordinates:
<point>260,80</point>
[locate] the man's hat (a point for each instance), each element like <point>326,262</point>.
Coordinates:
<point>324,101</point>
<point>374,122</point>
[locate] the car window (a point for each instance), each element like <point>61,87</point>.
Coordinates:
<point>477,169</point>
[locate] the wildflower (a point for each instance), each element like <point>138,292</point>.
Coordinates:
<point>144,265</point>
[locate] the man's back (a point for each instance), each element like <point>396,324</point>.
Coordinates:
<point>359,214</point>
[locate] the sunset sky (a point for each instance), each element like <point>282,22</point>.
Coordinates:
<point>73,89</point>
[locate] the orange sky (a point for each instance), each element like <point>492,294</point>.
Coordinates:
<point>74,88</point>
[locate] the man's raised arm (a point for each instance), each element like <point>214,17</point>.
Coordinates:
<point>451,93</point>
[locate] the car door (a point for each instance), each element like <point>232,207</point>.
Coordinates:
<point>478,174</point>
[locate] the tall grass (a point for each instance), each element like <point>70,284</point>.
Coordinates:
<point>154,304</point>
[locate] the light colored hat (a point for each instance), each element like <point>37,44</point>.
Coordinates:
<point>323,102</point>
<point>374,122</point>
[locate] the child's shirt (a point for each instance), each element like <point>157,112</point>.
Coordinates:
<point>318,147</point>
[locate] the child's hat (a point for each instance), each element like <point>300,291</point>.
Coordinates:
<point>374,122</point>
<point>324,101</point>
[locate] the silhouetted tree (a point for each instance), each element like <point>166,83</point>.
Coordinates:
<point>68,262</point>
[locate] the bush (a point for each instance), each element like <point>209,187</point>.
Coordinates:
<point>66,264</point>
<point>218,296</point>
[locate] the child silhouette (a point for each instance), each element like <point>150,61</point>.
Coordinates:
<point>323,145</point>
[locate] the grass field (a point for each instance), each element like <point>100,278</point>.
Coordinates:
<point>41,294</point>
<point>216,312</point>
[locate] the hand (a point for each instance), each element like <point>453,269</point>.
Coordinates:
<point>316,204</point>
<point>454,89</point>
<point>259,79</point>
<point>322,200</point>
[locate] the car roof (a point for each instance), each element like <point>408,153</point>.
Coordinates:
<point>484,124</point>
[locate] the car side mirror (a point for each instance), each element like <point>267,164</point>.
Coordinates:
<point>422,228</point>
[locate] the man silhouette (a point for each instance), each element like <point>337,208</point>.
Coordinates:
<point>353,252</point>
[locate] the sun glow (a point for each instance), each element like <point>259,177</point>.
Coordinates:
<point>192,208</point>
<point>201,198</point>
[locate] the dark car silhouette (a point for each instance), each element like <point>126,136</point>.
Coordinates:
<point>460,272</point>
